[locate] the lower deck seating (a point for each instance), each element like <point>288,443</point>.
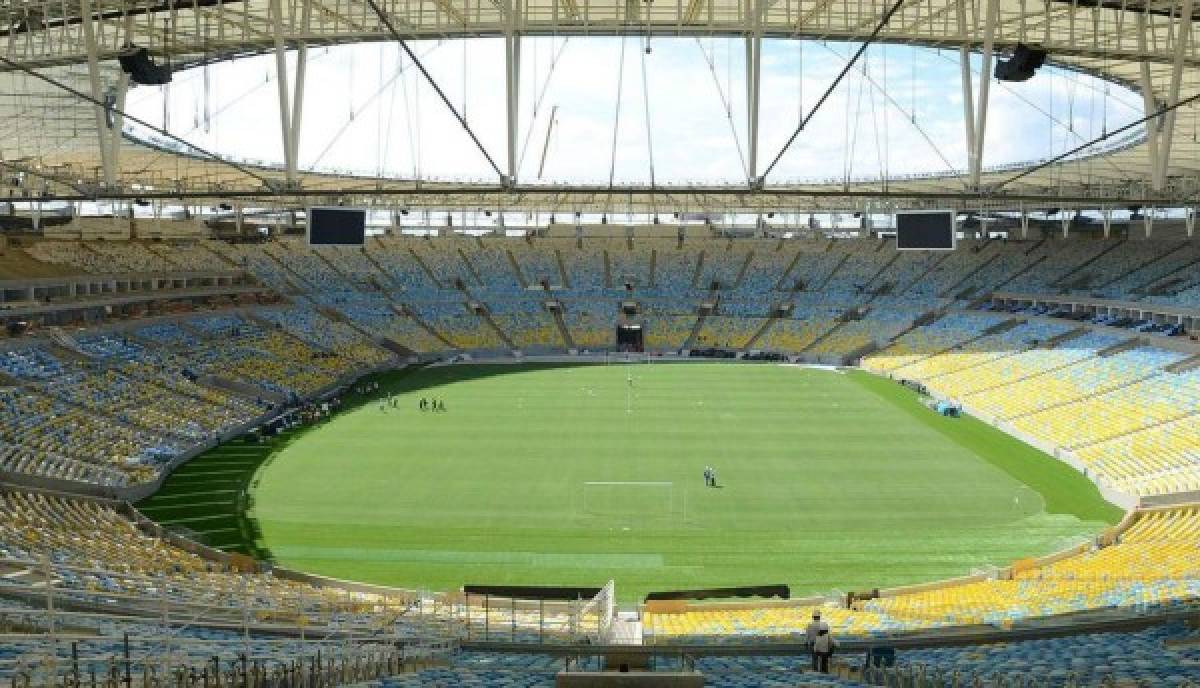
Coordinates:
<point>1154,564</point>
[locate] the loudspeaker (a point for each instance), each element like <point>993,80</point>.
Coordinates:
<point>1021,66</point>
<point>141,69</point>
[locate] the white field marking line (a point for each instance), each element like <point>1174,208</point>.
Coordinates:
<point>193,519</point>
<point>631,482</point>
<point>189,505</point>
<point>187,495</point>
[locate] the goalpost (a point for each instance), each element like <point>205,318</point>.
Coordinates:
<point>619,357</point>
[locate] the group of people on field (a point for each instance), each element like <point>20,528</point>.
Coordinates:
<point>431,405</point>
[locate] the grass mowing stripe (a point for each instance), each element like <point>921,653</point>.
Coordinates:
<point>1065,490</point>
<point>826,481</point>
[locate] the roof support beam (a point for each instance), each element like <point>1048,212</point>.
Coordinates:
<point>512,85</point>
<point>97,92</point>
<point>1183,34</point>
<point>1149,107</point>
<point>753,86</point>
<point>975,157</point>
<point>968,88</point>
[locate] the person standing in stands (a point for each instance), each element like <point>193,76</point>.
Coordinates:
<point>823,650</point>
<point>812,632</point>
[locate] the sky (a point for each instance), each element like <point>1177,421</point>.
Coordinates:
<point>368,111</point>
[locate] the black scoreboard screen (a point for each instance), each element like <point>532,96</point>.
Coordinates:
<point>925,230</point>
<point>337,226</point>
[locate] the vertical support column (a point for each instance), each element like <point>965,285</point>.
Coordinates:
<point>1066,224</point>
<point>1148,221</point>
<point>1149,106</point>
<point>118,120</point>
<point>1183,33</point>
<point>512,84</point>
<point>753,85</point>
<point>1106,213</point>
<point>991,9</point>
<point>968,88</point>
<point>97,92</point>
<point>281,78</point>
<point>1024,224</point>
<point>1189,222</point>
<point>298,95</point>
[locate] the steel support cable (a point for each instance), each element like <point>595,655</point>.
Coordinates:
<point>136,120</point>
<point>712,69</point>
<point>387,23</point>
<point>1084,146</point>
<point>537,103</point>
<point>215,114</point>
<point>646,104</point>
<point>837,80</point>
<point>354,112</point>
<point>1048,114</point>
<point>910,116</point>
<point>612,164</point>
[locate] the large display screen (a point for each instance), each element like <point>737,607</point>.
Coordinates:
<point>337,226</point>
<point>925,230</point>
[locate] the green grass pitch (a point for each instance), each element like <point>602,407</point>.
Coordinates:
<point>569,475</point>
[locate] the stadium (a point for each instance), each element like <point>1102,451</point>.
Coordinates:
<point>387,343</point>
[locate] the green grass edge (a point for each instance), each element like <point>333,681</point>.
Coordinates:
<point>1066,490</point>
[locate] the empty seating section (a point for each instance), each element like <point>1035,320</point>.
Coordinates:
<point>1159,398</point>
<point>260,263</point>
<point>907,268</point>
<point>99,557</point>
<point>629,266</point>
<point>949,272</point>
<point>1123,260</point>
<point>982,350</point>
<point>813,268</point>
<point>1008,370</point>
<point>996,272</point>
<point>1136,282</point>
<point>667,332</point>
<point>592,324</point>
<point>492,264</point>
<point>722,264</point>
<point>876,328</point>
<point>674,270</point>
<point>401,267</point>
<point>790,334</point>
<point>1055,260</point>
<point>465,330</point>
<point>353,263</point>
<point>375,314</point>
<point>326,334</point>
<point>527,323</point>
<point>727,333</point>
<point>584,266</point>
<point>942,334</point>
<point>1091,375</point>
<point>1163,655</point>
<point>1154,460</point>
<point>538,263</point>
<point>769,262</point>
<point>1153,564</point>
<point>443,258</point>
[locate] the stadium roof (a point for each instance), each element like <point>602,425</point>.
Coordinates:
<point>53,137</point>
